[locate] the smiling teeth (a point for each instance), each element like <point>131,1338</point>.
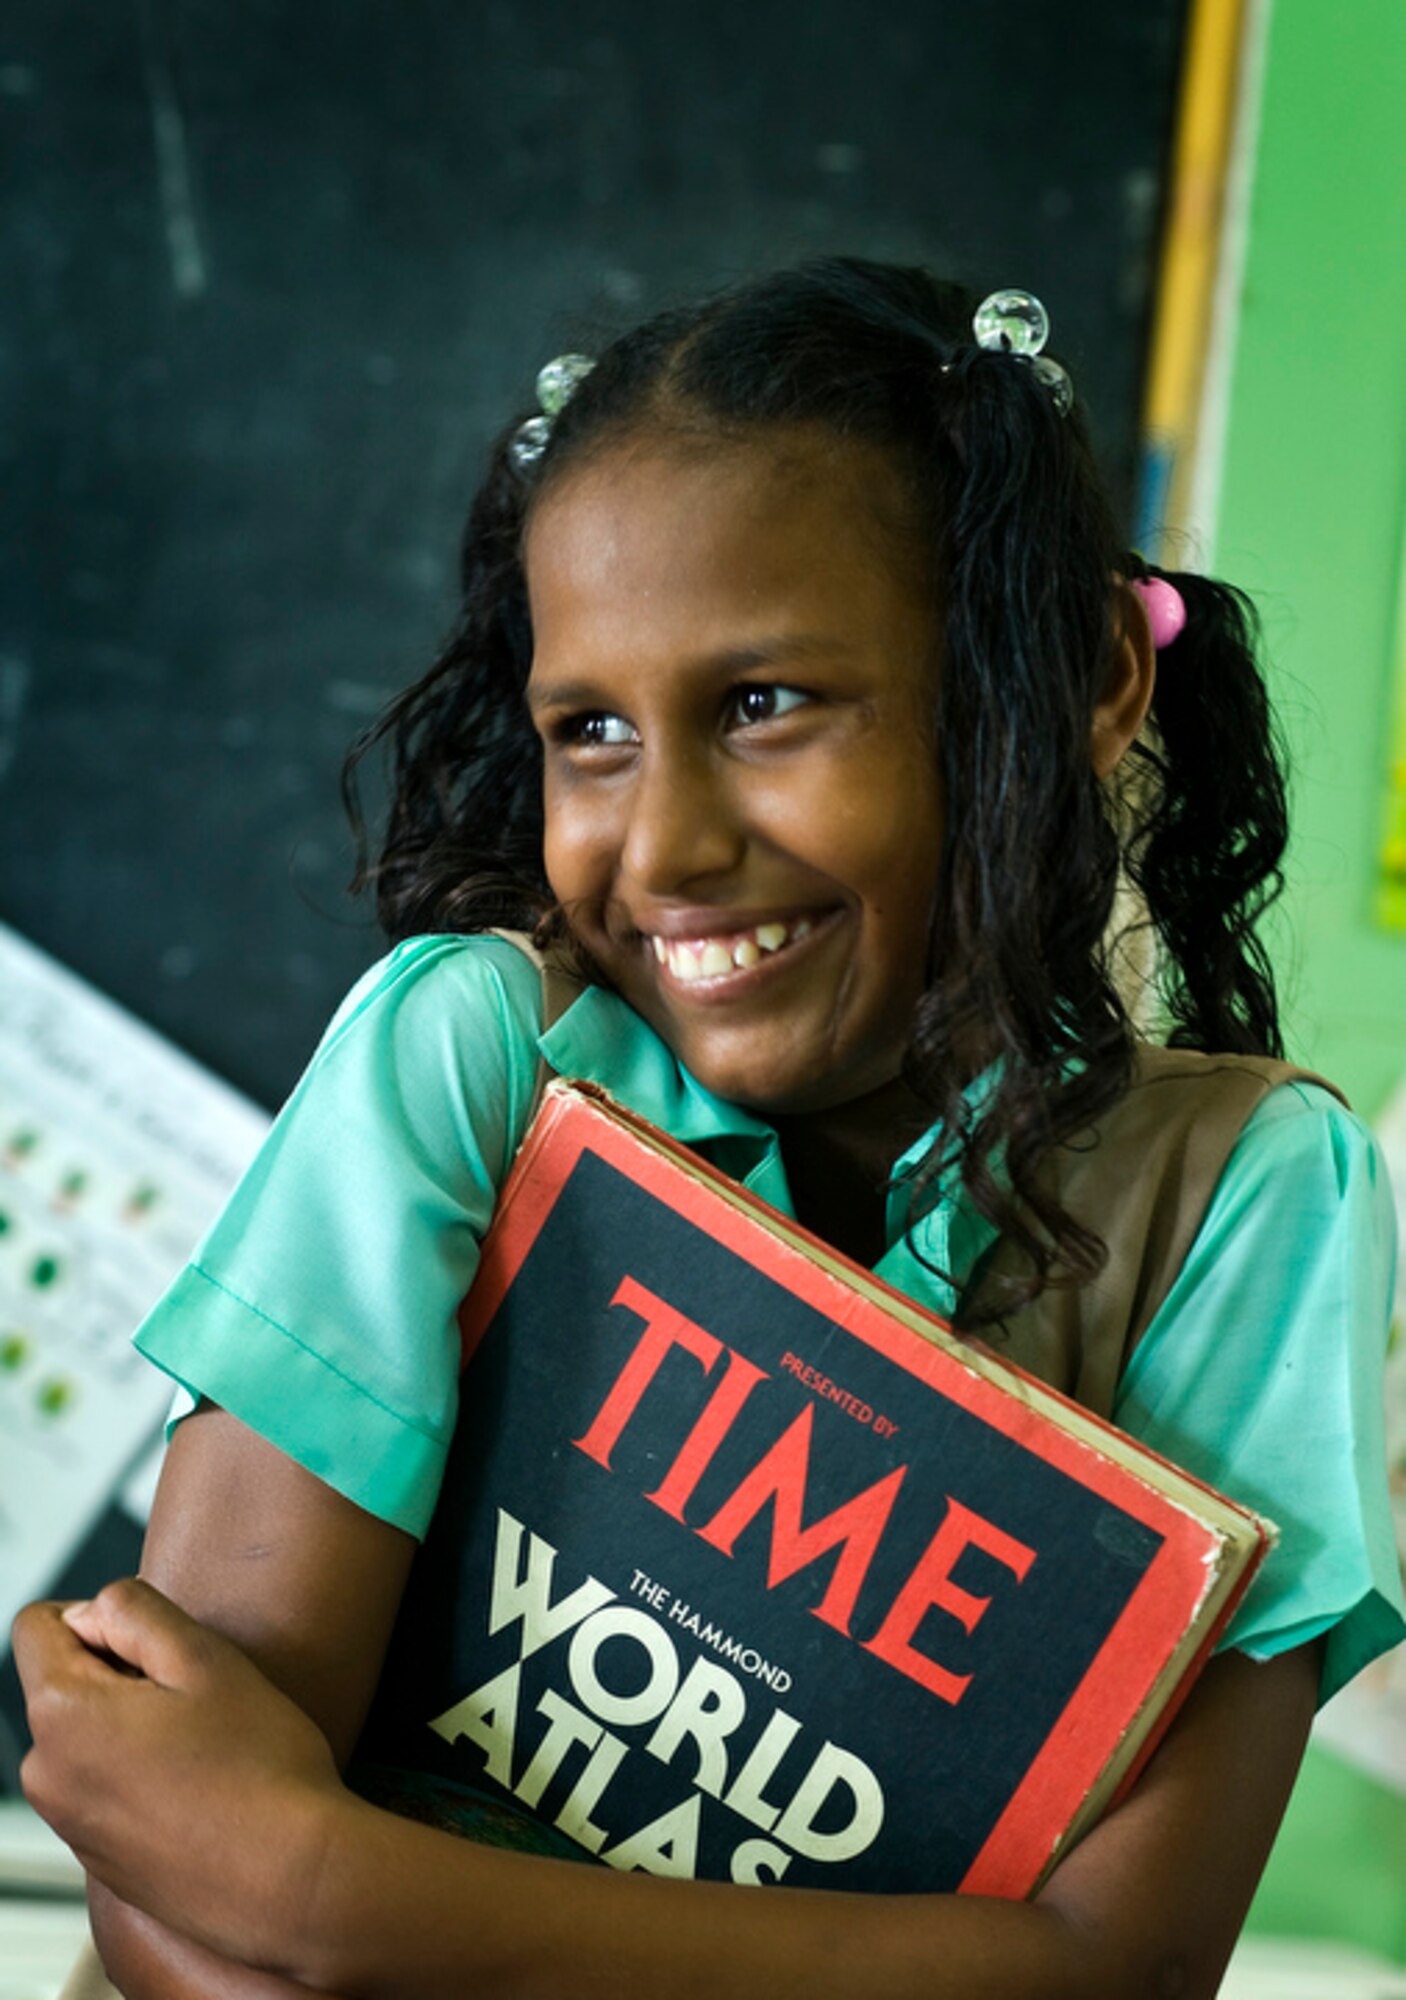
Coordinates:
<point>711,958</point>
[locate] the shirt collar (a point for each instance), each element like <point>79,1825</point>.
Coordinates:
<point>601,1039</point>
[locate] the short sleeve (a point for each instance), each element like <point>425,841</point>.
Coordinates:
<point>320,1308</point>
<point>1262,1373</point>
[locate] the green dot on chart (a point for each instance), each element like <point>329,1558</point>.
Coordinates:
<point>43,1271</point>
<point>14,1350</point>
<point>74,1183</point>
<point>4,1223</point>
<point>54,1396</point>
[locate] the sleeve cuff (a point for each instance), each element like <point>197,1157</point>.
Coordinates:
<point>1355,1636</point>
<point>235,1356</point>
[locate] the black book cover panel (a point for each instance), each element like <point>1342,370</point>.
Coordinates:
<point>717,1588</point>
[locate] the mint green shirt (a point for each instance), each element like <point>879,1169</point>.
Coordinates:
<point>320,1309</point>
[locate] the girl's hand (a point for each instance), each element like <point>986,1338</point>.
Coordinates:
<point>181,1777</point>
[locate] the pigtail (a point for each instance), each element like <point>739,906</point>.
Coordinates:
<point>1206,855</point>
<point>463,842</point>
<point>1031,850</point>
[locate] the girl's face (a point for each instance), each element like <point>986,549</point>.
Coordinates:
<point>733,681</point>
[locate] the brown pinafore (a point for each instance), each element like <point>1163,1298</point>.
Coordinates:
<point>1143,1178</point>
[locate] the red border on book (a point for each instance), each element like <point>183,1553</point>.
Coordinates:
<point>1122,1674</point>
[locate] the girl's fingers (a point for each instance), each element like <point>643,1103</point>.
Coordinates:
<point>140,1627</point>
<point>127,1625</point>
<point>153,1737</point>
<point>46,1650</point>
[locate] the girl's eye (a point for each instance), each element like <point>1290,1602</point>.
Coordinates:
<point>758,701</point>
<point>598,728</point>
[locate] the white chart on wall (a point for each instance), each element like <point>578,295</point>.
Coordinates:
<point>116,1151</point>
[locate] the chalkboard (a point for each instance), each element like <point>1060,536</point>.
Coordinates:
<point>274,272</point>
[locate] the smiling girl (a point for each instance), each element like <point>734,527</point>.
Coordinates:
<point>804,699</point>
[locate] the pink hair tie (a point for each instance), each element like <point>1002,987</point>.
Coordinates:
<point>1166,609</point>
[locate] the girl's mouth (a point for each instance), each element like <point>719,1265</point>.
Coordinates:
<point>696,961</point>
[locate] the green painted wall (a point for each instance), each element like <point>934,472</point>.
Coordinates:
<point>1313,495</point>
<point>1312,507</point>
<point>1339,1869</point>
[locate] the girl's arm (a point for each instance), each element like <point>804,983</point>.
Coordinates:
<point>1150,1904</point>
<point>308,1586</point>
<point>146,1961</point>
<point>203,1794</point>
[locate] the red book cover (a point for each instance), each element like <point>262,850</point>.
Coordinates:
<point>746,1568</point>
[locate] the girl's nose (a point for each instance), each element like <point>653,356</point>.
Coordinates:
<point>683,825</point>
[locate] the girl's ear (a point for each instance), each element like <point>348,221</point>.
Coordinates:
<point>1127,689</point>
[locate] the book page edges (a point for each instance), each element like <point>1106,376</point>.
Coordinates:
<point>1158,1711</point>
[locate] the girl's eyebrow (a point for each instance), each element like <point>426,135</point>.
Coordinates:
<point>732,660</point>
<point>561,694</point>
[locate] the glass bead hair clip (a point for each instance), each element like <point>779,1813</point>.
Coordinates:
<point>557,383</point>
<point>1016,323</point>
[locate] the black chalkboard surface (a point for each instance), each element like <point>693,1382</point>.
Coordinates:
<point>274,272</point>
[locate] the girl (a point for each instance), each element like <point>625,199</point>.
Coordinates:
<point>801,690</point>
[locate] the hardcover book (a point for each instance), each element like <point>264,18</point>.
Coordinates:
<point>747,1568</point>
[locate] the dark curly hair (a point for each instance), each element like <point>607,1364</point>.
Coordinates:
<point>1019,544</point>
